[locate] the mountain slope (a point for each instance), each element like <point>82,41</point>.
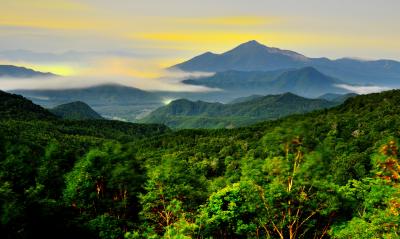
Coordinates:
<point>21,72</point>
<point>253,56</point>
<point>187,114</point>
<point>306,81</point>
<point>337,97</point>
<point>237,80</point>
<point>75,111</point>
<point>17,107</point>
<point>19,115</point>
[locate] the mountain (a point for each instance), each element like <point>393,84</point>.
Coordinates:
<point>244,99</point>
<point>77,110</point>
<point>21,72</point>
<point>253,56</point>
<point>233,80</point>
<point>110,100</point>
<point>17,107</point>
<point>337,97</point>
<point>307,82</point>
<point>188,114</point>
<point>249,56</point>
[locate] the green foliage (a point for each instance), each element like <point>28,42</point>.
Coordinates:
<point>377,210</point>
<point>326,174</point>
<point>231,211</point>
<point>106,226</point>
<point>376,200</point>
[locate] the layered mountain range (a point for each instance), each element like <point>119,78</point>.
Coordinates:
<point>249,70</point>
<point>306,81</point>
<point>253,56</point>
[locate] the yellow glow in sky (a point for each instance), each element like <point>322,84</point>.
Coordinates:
<point>121,67</point>
<point>191,26</point>
<point>237,21</point>
<point>61,70</point>
<point>185,29</point>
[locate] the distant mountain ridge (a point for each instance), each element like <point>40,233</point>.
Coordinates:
<point>95,95</point>
<point>21,72</point>
<point>110,100</point>
<point>306,81</point>
<point>253,56</point>
<point>77,110</point>
<point>245,98</point>
<point>184,113</point>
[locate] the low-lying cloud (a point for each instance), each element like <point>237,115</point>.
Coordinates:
<point>363,89</point>
<point>96,69</point>
<point>169,82</point>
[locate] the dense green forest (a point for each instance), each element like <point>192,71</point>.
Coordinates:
<point>332,173</point>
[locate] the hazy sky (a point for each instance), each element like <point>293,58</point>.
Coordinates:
<point>135,39</point>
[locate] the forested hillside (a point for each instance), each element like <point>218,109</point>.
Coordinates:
<point>326,174</point>
<point>17,107</point>
<point>188,114</point>
<point>77,110</point>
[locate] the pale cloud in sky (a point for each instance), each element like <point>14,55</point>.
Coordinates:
<point>166,81</point>
<point>313,27</point>
<point>136,40</point>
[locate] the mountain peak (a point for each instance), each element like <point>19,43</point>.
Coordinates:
<point>314,73</point>
<point>208,53</point>
<point>309,68</point>
<point>252,43</point>
<point>308,72</point>
<point>76,110</point>
<point>288,96</point>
